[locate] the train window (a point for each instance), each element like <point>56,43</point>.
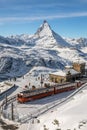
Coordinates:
<point>19,96</point>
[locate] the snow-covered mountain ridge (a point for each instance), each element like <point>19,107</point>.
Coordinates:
<point>22,53</point>
<point>80,42</point>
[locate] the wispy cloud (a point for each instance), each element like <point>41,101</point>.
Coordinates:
<point>85,1</point>
<point>48,17</point>
<point>35,6</point>
<point>52,5</point>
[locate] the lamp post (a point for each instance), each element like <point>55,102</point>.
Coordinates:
<point>41,81</point>
<point>12,112</point>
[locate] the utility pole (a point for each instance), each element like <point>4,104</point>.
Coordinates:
<point>12,112</point>
<point>0,112</point>
<point>41,81</point>
<point>5,100</point>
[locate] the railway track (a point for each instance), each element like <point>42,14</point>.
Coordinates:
<point>42,110</point>
<point>45,109</point>
<point>6,102</point>
<point>7,92</point>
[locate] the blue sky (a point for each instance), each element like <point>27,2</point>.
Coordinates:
<point>66,17</point>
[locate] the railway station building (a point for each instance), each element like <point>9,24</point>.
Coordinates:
<point>70,73</point>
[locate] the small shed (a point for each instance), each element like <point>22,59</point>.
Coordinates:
<point>64,76</point>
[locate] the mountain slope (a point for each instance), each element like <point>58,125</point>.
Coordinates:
<point>46,37</point>
<point>22,53</point>
<point>78,43</point>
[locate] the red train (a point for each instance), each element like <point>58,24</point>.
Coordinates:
<point>30,95</point>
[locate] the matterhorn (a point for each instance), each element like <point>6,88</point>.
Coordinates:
<point>46,37</point>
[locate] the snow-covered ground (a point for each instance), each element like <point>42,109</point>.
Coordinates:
<point>71,115</point>
<point>5,86</point>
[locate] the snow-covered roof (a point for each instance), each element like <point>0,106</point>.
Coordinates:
<point>60,73</point>
<point>79,62</point>
<point>68,66</point>
<point>65,72</point>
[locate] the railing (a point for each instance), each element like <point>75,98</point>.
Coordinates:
<point>7,92</point>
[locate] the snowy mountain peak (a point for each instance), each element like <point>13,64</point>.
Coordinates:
<point>45,24</point>
<point>44,30</point>
<point>45,21</point>
<point>48,38</point>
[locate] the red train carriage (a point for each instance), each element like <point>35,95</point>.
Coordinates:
<point>30,95</point>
